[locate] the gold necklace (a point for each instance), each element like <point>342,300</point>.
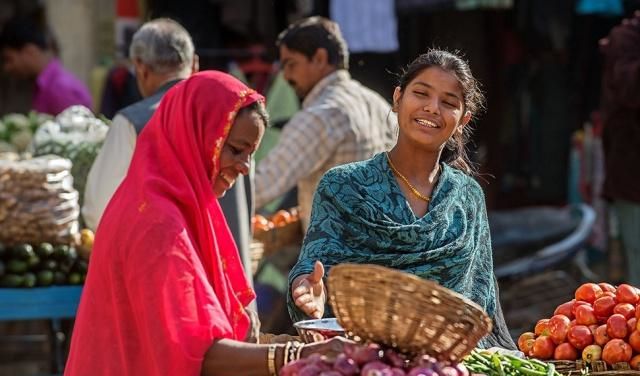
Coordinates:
<point>411,187</point>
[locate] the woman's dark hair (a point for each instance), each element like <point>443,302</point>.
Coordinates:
<point>309,34</point>
<point>456,154</point>
<point>259,108</point>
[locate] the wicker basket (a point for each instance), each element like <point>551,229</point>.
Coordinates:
<point>598,368</point>
<point>401,310</point>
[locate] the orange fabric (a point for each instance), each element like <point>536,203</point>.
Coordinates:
<point>165,280</point>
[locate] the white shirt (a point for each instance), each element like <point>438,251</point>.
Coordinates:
<point>367,25</point>
<point>108,169</point>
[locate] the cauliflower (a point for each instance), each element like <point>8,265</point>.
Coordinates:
<point>17,121</point>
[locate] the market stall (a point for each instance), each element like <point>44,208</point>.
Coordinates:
<point>404,325</point>
<point>44,252</point>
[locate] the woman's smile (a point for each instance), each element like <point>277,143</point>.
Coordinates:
<point>426,123</point>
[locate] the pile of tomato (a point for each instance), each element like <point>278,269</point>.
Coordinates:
<point>601,323</point>
<point>280,218</point>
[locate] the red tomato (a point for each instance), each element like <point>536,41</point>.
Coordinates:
<point>617,326</point>
<point>591,353</point>
<point>616,351</point>
<point>635,362</point>
<point>281,218</point>
<point>525,341</point>
<point>601,337</point>
<point>603,306</point>
<point>634,340</point>
<point>260,223</point>
<point>542,327</point>
<point>638,312</point>
<point>631,324</point>
<point>558,327</point>
<point>607,287</point>
<point>580,337</point>
<point>626,294</point>
<point>625,309</point>
<point>588,292</point>
<point>577,304</point>
<point>543,348</point>
<point>585,315</point>
<point>565,309</point>
<point>565,351</point>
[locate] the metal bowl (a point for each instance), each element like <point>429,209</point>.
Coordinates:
<point>318,329</point>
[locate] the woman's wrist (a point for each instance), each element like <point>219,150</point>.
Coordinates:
<point>279,359</point>
<point>288,353</point>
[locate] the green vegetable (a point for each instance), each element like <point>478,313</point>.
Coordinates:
<point>11,280</point>
<point>29,280</point>
<point>504,364</point>
<point>45,277</point>
<point>17,266</point>
<point>44,250</point>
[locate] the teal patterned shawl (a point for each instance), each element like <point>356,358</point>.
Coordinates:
<point>360,215</point>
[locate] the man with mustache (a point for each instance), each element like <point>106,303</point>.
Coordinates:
<point>341,121</point>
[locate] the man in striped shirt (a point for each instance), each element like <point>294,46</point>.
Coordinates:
<point>341,121</point>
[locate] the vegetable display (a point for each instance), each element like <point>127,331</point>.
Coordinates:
<point>17,130</point>
<point>372,360</point>
<point>75,134</point>
<point>495,364</point>
<point>44,264</point>
<point>601,323</point>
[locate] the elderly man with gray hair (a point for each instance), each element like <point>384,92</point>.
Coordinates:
<point>162,53</point>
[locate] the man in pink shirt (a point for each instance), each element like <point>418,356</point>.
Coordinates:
<point>27,51</point>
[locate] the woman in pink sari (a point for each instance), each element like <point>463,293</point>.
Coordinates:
<point>165,293</point>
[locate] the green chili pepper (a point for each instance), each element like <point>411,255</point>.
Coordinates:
<point>497,364</point>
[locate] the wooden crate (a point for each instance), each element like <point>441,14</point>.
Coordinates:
<point>598,368</point>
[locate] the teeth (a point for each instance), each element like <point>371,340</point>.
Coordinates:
<point>427,123</point>
<point>227,179</point>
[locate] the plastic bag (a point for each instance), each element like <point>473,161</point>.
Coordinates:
<point>75,134</point>
<point>37,201</point>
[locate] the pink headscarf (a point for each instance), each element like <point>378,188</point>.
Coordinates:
<point>165,280</point>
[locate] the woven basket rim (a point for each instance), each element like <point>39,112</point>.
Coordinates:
<point>420,281</point>
<point>464,310</point>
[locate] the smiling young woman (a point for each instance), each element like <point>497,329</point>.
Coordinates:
<point>414,208</point>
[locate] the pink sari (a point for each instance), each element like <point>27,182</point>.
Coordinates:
<point>165,280</point>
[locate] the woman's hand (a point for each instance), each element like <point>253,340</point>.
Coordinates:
<point>331,347</point>
<point>308,292</point>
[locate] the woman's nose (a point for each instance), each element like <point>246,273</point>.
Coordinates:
<point>244,165</point>
<point>431,106</point>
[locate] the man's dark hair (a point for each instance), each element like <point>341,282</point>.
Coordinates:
<point>309,34</point>
<point>21,31</point>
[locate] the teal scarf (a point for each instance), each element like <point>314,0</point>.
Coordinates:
<point>360,215</point>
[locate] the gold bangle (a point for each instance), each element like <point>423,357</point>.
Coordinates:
<point>299,350</point>
<point>287,346</point>
<point>271,360</point>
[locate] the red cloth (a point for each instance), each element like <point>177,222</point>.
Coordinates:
<point>165,280</point>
